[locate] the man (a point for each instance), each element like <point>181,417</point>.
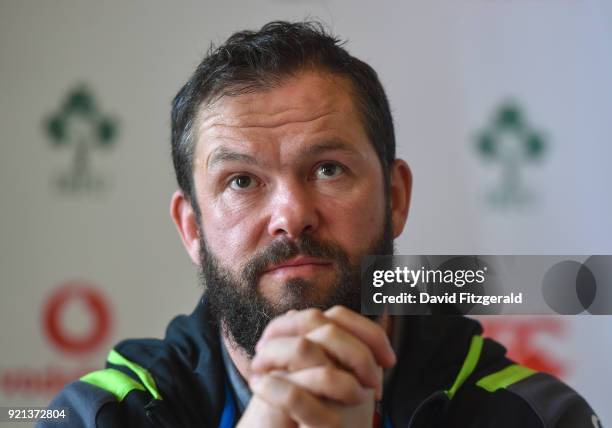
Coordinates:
<point>284,151</point>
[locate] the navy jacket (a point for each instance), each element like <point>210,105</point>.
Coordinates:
<point>447,375</point>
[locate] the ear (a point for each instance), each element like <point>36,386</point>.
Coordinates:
<point>184,218</point>
<point>401,190</point>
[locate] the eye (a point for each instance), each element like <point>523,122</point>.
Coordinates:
<point>242,182</point>
<point>328,170</point>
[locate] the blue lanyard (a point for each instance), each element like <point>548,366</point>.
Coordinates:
<point>228,417</point>
<point>387,422</point>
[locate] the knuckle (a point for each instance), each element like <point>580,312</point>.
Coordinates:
<point>328,375</point>
<point>264,384</point>
<point>337,310</point>
<point>303,346</point>
<point>363,361</point>
<point>293,396</point>
<point>349,389</point>
<point>272,325</point>
<point>256,362</point>
<point>268,382</point>
<point>379,330</point>
<point>313,316</point>
<point>330,331</point>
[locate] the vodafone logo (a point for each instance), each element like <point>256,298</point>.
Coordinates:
<point>522,338</point>
<point>89,300</point>
<point>76,319</point>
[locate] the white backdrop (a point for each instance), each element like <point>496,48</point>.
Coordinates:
<point>448,66</point>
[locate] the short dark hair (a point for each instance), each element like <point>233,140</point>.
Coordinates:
<point>252,60</point>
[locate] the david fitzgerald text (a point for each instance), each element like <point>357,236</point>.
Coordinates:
<point>448,298</point>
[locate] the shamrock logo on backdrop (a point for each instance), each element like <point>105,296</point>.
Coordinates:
<point>510,142</point>
<point>79,125</point>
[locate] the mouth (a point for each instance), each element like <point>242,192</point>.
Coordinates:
<point>298,264</point>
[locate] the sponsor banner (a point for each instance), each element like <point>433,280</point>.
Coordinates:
<point>486,285</point>
<point>76,321</point>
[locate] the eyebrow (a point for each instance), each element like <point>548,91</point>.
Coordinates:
<point>327,146</point>
<point>224,154</point>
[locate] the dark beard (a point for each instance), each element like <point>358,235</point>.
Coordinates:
<point>244,313</point>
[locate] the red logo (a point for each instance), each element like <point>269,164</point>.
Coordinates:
<point>98,309</point>
<point>520,336</point>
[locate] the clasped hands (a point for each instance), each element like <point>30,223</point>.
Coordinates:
<point>317,369</point>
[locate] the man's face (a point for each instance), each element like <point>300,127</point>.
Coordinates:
<point>291,196</point>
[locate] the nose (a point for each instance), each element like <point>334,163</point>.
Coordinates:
<point>293,212</point>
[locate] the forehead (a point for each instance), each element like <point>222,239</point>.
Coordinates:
<point>308,102</point>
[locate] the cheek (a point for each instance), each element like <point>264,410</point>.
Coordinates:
<point>356,219</point>
<point>230,233</point>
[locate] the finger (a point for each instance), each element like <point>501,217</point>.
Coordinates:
<point>259,410</point>
<point>350,352</point>
<point>301,322</point>
<point>330,382</point>
<point>290,354</point>
<point>293,323</point>
<point>366,330</point>
<point>298,403</point>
